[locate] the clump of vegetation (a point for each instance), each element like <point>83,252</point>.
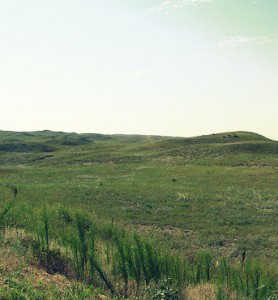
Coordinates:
<point>164,291</point>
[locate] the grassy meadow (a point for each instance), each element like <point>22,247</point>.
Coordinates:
<point>141,216</point>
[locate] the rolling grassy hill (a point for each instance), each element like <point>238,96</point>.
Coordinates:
<point>217,149</point>
<point>215,193</point>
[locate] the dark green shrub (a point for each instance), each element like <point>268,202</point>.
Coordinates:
<point>165,290</point>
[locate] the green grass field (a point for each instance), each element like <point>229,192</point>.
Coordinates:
<point>215,193</point>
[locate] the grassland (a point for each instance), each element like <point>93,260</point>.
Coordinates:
<point>215,193</point>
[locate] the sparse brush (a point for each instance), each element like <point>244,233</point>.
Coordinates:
<point>75,252</point>
<point>82,224</point>
<point>224,272</point>
<point>41,225</point>
<point>134,267</point>
<point>178,274</point>
<point>203,267</point>
<point>152,258</point>
<point>188,269</point>
<point>92,256</point>
<point>141,258</point>
<point>45,220</point>
<point>121,265</point>
<point>7,207</point>
<point>3,214</point>
<point>253,273</point>
<point>105,278</point>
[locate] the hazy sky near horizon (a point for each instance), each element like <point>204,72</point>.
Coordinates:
<point>166,67</point>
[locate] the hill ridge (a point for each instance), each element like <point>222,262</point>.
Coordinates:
<point>46,131</point>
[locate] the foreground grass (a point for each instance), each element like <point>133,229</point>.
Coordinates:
<point>21,278</point>
<point>123,264</point>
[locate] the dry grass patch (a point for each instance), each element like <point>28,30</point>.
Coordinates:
<point>17,273</point>
<point>201,292</point>
<point>13,265</point>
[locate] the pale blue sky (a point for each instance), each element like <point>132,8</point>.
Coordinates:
<point>167,67</point>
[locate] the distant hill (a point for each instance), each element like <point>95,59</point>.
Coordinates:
<point>219,138</point>
<point>228,148</point>
<point>44,141</point>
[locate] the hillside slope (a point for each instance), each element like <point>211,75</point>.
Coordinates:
<point>233,148</point>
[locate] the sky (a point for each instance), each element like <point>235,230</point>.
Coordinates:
<point>159,67</point>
